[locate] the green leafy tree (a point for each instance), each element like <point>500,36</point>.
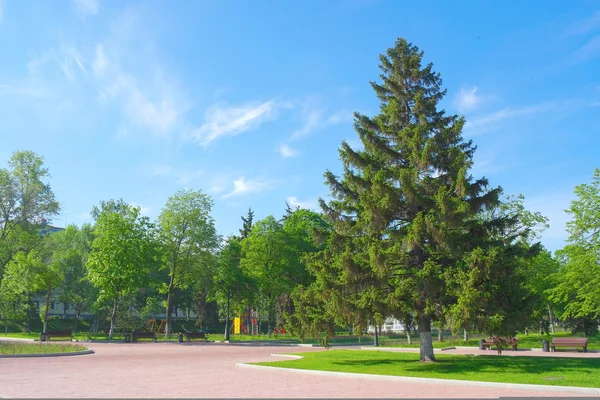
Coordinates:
<point>27,202</point>
<point>123,250</point>
<point>265,261</point>
<point>189,238</point>
<point>578,280</point>
<point>76,290</point>
<point>408,195</point>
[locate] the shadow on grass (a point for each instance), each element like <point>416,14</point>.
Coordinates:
<point>472,364</point>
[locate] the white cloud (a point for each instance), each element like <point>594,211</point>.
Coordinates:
<point>589,50</point>
<point>294,202</point>
<point>27,90</point>
<point>86,7</point>
<point>486,166</point>
<point>484,123</point>
<point>467,99</point>
<point>585,25</point>
<point>154,105</point>
<point>286,151</point>
<point>311,121</point>
<point>242,186</point>
<point>231,120</point>
<point>340,117</point>
<point>314,119</point>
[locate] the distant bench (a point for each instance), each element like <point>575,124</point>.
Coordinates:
<point>194,335</point>
<point>569,342</point>
<point>143,335</point>
<point>489,342</point>
<point>53,334</point>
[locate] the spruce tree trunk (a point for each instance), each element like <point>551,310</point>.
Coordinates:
<point>113,318</point>
<point>425,339</point>
<point>170,295</point>
<point>46,310</point>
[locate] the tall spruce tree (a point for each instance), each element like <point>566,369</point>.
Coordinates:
<point>408,197</point>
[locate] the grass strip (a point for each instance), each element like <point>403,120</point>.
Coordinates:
<point>38,348</point>
<point>579,372</point>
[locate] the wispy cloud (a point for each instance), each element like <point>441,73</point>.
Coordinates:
<point>294,202</point>
<point>585,25</point>
<point>159,111</point>
<point>231,120</point>
<point>86,7</point>
<point>467,99</point>
<point>27,90</point>
<point>589,50</point>
<point>286,151</point>
<point>484,123</point>
<point>314,118</point>
<point>241,186</point>
<point>489,165</point>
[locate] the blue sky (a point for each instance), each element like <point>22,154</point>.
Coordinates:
<point>249,100</point>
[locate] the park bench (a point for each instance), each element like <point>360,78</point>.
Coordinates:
<point>53,334</point>
<point>489,342</point>
<point>569,342</point>
<point>194,335</point>
<point>143,335</point>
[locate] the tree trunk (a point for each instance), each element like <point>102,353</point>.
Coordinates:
<point>376,339</point>
<point>113,318</point>
<point>169,311</point>
<point>440,335</point>
<point>46,310</point>
<point>425,339</point>
<point>408,338</point>
<point>76,320</point>
<point>551,317</point>
<point>465,335</point>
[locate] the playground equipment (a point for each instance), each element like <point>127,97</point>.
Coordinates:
<point>154,326</point>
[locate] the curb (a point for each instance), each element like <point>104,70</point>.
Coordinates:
<point>451,382</point>
<point>72,353</point>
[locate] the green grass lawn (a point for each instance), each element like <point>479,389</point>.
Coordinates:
<point>582,372</point>
<point>38,348</point>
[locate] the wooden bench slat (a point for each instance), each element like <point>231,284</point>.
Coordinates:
<point>143,335</point>
<point>569,342</point>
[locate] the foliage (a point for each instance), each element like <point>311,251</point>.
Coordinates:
<point>577,289</point>
<point>406,203</point>
<point>188,238</point>
<point>27,204</point>
<point>122,252</point>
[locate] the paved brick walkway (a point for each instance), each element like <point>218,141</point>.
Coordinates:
<point>201,370</point>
